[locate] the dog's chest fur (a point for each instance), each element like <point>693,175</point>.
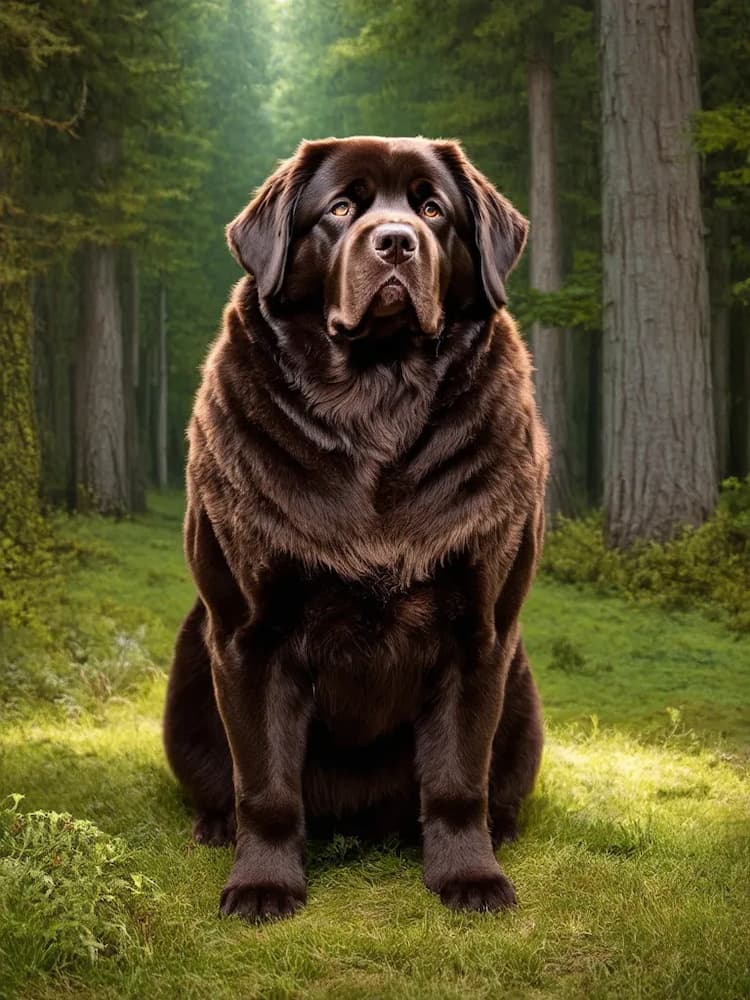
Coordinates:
<point>384,470</point>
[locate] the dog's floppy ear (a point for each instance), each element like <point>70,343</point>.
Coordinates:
<point>499,229</point>
<point>259,236</point>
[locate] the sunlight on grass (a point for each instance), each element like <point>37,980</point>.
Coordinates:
<point>633,867</point>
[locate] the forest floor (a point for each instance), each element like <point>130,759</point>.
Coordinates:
<point>633,870</point>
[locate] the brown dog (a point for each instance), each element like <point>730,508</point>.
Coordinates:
<point>365,488</point>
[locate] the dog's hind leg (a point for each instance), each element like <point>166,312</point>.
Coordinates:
<point>516,751</point>
<point>194,736</point>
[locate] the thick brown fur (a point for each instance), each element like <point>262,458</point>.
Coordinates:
<point>365,514</point>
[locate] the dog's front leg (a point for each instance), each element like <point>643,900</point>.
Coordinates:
<point>265,705</point>
<point>453,747</point>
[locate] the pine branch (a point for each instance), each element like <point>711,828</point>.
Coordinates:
<point>67,127</point>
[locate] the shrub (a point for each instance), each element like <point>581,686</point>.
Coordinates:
<point>68,895</point>
<point>567,657</point>
<point>706,567</point>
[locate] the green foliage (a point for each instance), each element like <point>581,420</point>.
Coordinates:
<point>722,129</point>
<point>23,535</point>
<point>727,127</point>
<point>576,306</point>
<point>31,45</point>
<point>109,176</point>
<point>343,69</point>
<point>566,657</point>
<point>707,567</point>
<point>69,895</point>
<point>28,43</point>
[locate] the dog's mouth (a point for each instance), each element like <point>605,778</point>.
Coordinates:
<point>396,310</point>
<point>389,312</point>
<point>390,299</point>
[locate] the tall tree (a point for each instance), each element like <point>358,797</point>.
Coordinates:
<point>28,44</point>
<point>549,343</point>
<point>124,178</point>
<point>101,471</point>
<point>162,467</point>
<point>659,448</point>
<point>723,134</point>
<point>102,476</point>
<point>131,380</point>
<point>719,274</point>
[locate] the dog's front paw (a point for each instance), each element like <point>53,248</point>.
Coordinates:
<point>261,901</point>
<point>480,892</point>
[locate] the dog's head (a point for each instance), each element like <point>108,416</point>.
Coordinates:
<point>379,234</point>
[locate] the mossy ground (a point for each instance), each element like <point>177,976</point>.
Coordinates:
<point>633,869</point>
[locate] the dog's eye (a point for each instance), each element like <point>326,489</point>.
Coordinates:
<point>342,208</point>
<point>431,210</point>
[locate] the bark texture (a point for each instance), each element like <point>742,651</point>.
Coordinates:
<point>101,468</point>
<point>659,447</point>
<point>55,311</point>
<point>549,344</point>
<point>162,470</point>
<point>131,365</point>
<point>720,276</point>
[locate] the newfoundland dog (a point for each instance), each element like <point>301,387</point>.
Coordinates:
<point>365,513</point>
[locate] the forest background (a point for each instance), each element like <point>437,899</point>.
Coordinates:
<point>131,132</point>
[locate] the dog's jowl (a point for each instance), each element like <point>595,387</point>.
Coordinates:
<point>365,514</point>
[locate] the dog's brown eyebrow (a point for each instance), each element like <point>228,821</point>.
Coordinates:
<point>423,187</point>
<point>359,188</point>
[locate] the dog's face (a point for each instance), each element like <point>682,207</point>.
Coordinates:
<point>379,235</point>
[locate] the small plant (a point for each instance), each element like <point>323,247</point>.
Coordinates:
<point>68,895</point>
<point>340,850</point>
<point>567,657</point>
<point>676,733</point>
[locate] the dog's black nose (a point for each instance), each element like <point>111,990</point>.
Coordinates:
<point>394,242</point>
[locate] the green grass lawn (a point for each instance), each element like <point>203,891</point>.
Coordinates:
<point>633,870</point>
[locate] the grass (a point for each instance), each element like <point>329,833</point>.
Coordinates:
<point>633,870</point>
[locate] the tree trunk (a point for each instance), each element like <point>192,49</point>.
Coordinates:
<point>578,346</point>
<point>659,446</point>
<point>55,316</point>
<point>161,417</point>
<point>549,344</point>
<point>137,484</point>
<point>719,274</point>
<point>148,391</point>
<point>20,523</point>
<point>594,422</point>
<point>101,470</point>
